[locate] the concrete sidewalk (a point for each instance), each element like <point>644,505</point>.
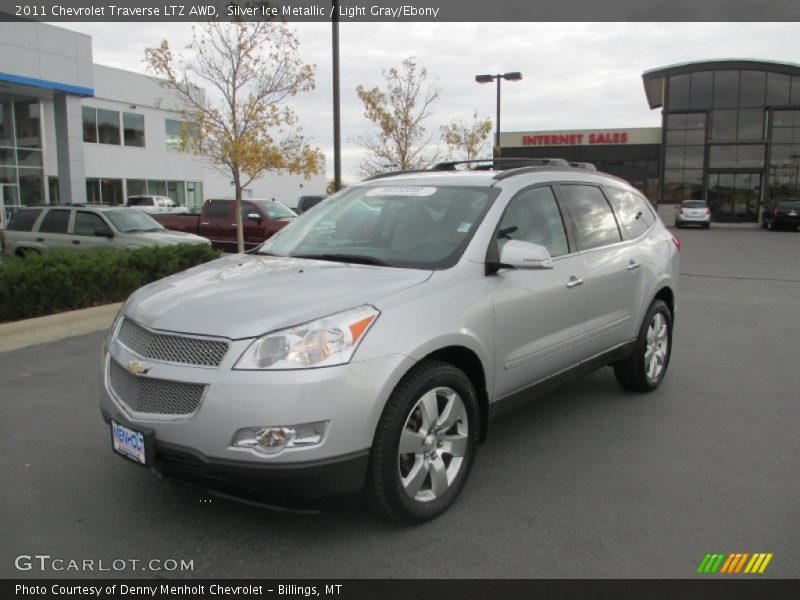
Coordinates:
<point>42,330</point>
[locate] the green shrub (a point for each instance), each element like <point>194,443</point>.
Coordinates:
<point>59,281</point>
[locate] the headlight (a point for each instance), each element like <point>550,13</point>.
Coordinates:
<point>328,341</point>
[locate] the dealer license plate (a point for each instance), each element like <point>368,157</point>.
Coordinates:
<point>128,443</point>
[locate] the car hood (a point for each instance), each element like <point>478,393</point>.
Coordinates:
<point>168,237</point>
<point>247,295</point>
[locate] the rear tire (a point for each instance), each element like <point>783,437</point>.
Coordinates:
<point>424,445</point>
<point>644,369</point>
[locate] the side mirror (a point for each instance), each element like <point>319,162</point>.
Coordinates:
<point>254,217</point>
<point>524,255</point>
<point>104,232</point>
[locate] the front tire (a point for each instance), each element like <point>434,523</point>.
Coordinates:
<point>424,445</point>
<point>644,369</point>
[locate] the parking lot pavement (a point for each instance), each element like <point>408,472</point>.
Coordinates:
<point>588,481</point>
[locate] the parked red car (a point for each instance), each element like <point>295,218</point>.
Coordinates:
<point>217,221</point>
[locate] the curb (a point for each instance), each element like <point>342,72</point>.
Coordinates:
<point>51,328</point>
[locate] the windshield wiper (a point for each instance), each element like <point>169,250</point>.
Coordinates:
<point>347,258</point>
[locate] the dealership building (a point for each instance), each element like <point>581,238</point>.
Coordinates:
<point>75,131</point>
<point>730,134</point>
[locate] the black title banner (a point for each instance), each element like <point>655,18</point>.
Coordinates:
<point>401,10</point>
<point>403,589</point>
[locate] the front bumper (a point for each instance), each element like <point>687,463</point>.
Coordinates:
<point>197,449</point>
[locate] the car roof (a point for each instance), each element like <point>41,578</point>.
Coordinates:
<point>102,207</point>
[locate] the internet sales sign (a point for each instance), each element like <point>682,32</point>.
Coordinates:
<point>587,137</point>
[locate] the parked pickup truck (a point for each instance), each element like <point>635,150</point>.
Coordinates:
<point>217,221</point>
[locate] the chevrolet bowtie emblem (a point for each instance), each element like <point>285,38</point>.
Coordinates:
<point>137,368</point>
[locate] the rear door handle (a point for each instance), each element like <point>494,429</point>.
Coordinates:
<point>633,265</point>
<point>205,223</point>
<point>574,281</point>
<point>39,239</point>
<point>76,242</point>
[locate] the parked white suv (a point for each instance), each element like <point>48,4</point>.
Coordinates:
<point>161,205</point>
<point>370,343</point>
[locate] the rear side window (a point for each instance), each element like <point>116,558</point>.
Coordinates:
<point>55,221</point>
<point>24,219</point>
<point>594,221</point>
<point>632,212</point>
<point>217,210</point>
<point>86,223</point>
<point>140,201</point>
<point>533,216</point>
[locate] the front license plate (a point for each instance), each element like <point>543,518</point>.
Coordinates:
<point>128,443</point>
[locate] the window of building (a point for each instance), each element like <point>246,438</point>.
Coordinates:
<point>133,129</point>
<point>92,190</point>
<point>679,92</point>
<point>29,158</point>
<point>26,117</point>
<point>6,122</point>
<point>89,124</point>
<point>136,187</point>
<point>736,156</point>
<point>156,187</point>
<point>55,221</point>
<point>594,220</point>
<point>108,126</point>
<point>86,223</point>
<point>111,191</point>
<point>726,89</point>
<point>702,90</point>
<point>778,89</point>
<point>784,162</point>
<point>753,88</point>
<point>172,132</point>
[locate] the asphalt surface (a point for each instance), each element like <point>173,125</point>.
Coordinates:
<point>588,481</point>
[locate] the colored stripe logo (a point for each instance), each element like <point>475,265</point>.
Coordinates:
<point>735,563</point>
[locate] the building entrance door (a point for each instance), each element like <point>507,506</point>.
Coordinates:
<point>9,201</point>
<point>734,196</point>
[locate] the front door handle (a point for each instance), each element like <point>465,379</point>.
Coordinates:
<point>633,265</point>
<point>76,242</point>
<point>574,281</point>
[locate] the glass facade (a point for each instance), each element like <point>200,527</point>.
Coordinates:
<point>731,134</point>
<point>21,163</point>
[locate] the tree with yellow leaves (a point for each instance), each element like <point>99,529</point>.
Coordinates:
<point>243,126</point>
<point>467,139</point>
<point>400,112</point>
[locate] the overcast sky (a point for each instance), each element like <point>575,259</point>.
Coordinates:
<point>575,75</point>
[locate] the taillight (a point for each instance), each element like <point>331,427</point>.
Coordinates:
<point>775,212</point>
<point>677,243</point>
<point>708,212</point>
<point>680,211</point>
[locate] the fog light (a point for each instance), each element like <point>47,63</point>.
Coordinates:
<point>272,439</point>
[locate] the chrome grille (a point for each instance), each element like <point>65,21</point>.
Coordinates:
<point>154,396</point>
<point>171,348</point>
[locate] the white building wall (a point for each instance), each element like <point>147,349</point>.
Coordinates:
<point>124,91</point>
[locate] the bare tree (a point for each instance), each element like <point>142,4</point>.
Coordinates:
<point>467,139</point>
<point>399,111</point>
<point>243,126</point>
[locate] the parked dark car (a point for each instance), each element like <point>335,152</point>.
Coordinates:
<point>261,219</point>
<point>307,202</point>
<point>781,213</point>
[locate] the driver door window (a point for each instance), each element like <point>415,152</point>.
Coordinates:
<point>533,216</point>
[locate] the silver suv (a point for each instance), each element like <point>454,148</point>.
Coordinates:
<point>370,343</point>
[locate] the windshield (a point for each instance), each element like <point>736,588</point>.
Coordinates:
<point>420,227</point>
<point>274,209</point>
<point>132,220</point>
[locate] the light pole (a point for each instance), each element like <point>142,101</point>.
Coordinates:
<point>512,76</point>
<point>337,135</point>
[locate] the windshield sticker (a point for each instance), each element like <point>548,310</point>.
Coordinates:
<point>402,191</point>
<point>464,227</point>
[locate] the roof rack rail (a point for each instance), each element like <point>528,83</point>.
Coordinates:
<point>583,165</point>
<point>392,173</point>
<point>500,162</point>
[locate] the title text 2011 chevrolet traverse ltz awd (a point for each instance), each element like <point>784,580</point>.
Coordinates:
<point>370,343</point>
